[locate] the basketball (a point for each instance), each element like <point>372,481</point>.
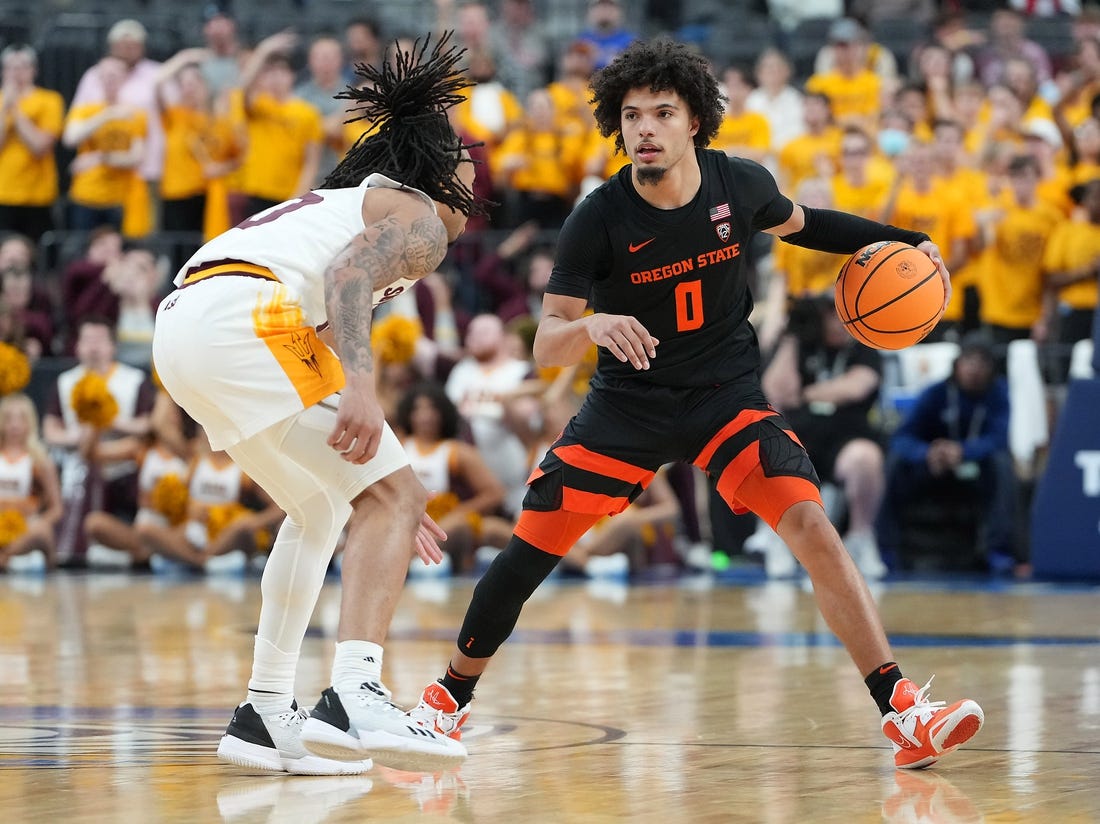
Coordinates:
<point>889,295</point>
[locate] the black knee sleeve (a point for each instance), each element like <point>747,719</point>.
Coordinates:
<point>500,595</point>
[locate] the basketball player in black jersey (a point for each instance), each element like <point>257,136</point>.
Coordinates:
<point>659,253</point>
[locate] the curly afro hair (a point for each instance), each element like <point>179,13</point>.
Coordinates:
<point>659,65</point>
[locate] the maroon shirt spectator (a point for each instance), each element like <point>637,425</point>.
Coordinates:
<point>514,277</point>
<point>84,292</point>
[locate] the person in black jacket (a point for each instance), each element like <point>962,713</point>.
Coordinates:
<point>957,428</point>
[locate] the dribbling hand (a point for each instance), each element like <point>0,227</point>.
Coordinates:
<point>933,252</point>
<point>624,337</point>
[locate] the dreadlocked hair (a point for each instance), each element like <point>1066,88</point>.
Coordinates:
<point>412,141</point>
<point>659,65</point>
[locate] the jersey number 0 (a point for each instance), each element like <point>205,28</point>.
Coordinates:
<point>689,305</point>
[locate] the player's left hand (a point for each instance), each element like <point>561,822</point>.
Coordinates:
<point>428,536</point>
<point>933,252</point>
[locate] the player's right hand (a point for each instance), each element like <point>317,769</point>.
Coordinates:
<point>624,337</point>
<point>428,536</point>
<point>358,429</point>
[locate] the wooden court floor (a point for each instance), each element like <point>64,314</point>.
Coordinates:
<point>689,702</point>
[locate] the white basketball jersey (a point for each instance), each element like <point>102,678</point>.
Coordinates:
<point>298,239</point>
<point>211,485</point>
<point>433,468</point>
<point>16,477</point>
<point>156,464</point>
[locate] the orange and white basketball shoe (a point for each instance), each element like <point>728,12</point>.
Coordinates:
<point>923,731</point>
<point>439,711</point>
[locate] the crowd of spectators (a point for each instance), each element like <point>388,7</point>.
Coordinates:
<point>983,138</point>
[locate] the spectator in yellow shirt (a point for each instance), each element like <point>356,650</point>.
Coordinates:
<point>977,189</point>
<point>854,90</point>
<point>570,91</point>
<point>109,138</point>
<point>922,204</point>
<point>1081,85</point>
<point>1085,151</point>
<point>912,100</point>
<point>1071,265</point>
<point>815,152</point>
<point>540,162</point>
<point>1043,141</point>
<point>30,124</point>
<point>202,145</point>
<point>1011,280</point>
<point>284,131</point>
<point>858,188</point>
<point>741,133</point>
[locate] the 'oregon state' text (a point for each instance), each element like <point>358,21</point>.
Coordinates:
<point>672,270</point>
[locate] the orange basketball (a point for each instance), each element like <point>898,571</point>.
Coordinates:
<point>889,295</point>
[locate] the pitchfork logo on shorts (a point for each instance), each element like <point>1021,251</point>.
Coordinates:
<point>723,230</point>
<point>302,348</point>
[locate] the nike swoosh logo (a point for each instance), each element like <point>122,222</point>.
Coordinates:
<point>884,670</point>
<point>634,247</point>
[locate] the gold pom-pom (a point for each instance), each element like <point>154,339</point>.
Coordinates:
<point>549,374</point>
<point>93,402</point>
<point>15,369</point>
<point>585,370</point>
<point>219,516</point>
<point>394,338</point>
<point>474,520</point>
<point>442,505</point>
<point>264,539</point>
<point>12,525</point>
<point>169,497</point>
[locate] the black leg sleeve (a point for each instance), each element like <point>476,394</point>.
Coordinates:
<point>500,595</point>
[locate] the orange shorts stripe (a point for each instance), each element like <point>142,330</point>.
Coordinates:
<point>745,418</point>
<point>554,532</point>
<point>737,470</point>
<point>579,456</point>
<point>770,498</point>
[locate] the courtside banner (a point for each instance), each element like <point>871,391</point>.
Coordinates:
<point>1065,517</point>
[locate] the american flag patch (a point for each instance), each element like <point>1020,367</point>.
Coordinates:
<point>719,212</point>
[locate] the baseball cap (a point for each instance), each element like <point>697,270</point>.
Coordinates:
<point>126,30</point>
<point>845,30</point>
<point>1043,129</point>
<point>212,10</point>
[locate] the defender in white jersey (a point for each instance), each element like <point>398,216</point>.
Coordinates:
<point>237,346</point>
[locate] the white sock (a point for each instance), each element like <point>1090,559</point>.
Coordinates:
<point>271,687</point>
<point>354,663</point>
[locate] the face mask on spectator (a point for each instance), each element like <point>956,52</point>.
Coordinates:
<point>892,142</point>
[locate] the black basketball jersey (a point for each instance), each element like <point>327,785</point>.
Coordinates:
<point>681,272</point>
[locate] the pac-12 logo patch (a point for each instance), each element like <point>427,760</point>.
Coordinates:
<point>723,230</point>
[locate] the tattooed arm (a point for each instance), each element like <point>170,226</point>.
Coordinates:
<point>403,238</point>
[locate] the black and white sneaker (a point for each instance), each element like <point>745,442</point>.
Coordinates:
<point>273,742</point>
<point>365,724</point>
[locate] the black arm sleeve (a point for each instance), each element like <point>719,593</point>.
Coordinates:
<point>827,230</point>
